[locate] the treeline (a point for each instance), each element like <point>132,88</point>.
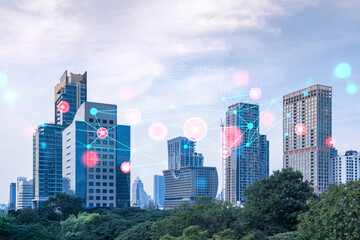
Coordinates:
<point>278,208</point>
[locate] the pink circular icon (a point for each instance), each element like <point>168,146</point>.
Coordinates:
<point>242,78</point>
<point>158,131</point>
<point>29,131</point>
<point>102,133</point>
<point>232,137</point>
<point>267,119</point>
<point>63,106</point>
<point>195,129</point>
<point>225,152</point>
<point>330,142</point>
<point>90,158</point>
<point>300,129</point>
<point>255,93</point>
<point>126,92</point>
<point>132,116</point>
<point>125,167</point>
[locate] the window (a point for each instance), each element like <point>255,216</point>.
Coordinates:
<point>97,169</point>
<point>104,177</point>
<point>111,177</point>
<point>104,191</point>
<point>111,156</point>
<point>105,184</point>
<point>91,205</point>
<point>111,184</point>
<point>111,198</point>
<point>98,205</point>
<point>91,169</point>
<point>111,142</point>
<point>104,142</point>
<point>104,205</point>
<point>97,176</point>
<point>91,176</point>
<point>111,150</point>
<point>91,120</point>
<point>104,197</point>
<point>97,197</point>
<point>104,163</point>
<point>111,170</point>
<point>111,122</point>
<point>104,156</point>
<point>111,191</point>
<point>104,170</point>
<point>91,183</point>
<point>91,190</point>
<point>91,134</point>
<point>97,141</point>
<point>97,190</point>
<point>104,121</point>
<point>91,198</point>
<point>97,184</point>
<point>111,163</point>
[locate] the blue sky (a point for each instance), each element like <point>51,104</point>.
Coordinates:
<point>181,53</point>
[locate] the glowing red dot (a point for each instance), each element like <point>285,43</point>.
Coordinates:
<point>102,133</point>
<point>90,158</point>
<point>232,137</point>
<point>63,106</point>
<point>255,93</point>
<point>330,142</point>
<point>225,152</point>
<point>300,129</point>
<point>125,167</point>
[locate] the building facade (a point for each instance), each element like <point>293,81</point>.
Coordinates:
<point>94,149</point>
<point>24,193</point>
<point>305,148</point>
<point>187,178</point>
<point>249,157</point>
<point>72,89</point>
<point>159,190</point>
<point>12,200</point>
<point>47,162</point>
<point>139,196</point>
<point>345,168</point>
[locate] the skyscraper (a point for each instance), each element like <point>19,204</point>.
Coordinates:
<point>248,158</point>
<point>139,196</point>
<point>187,178</point>
<point>159,189</point>
<point>95,150</point>
<point>24,193</point>
<point>72,89</point>
<point>307,127</point>
<point>47,162</point>
<point>181,152</point>
<point>12,200</point>
<point>345,168</point>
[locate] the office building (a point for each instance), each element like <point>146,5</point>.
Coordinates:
<point>181,152</point>
<point>248,160</point>
<point>24,193</point>
<point>94,149</point>
<point>12,200</point>
<point>307,125</point>
<point>187,178</point>
<point>139,196</point>
<point>47,162</point>
<point>345,168</point>
<point>73,90</point>
<point>159,190</point>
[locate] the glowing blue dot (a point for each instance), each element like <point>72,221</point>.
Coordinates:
<point>43,145</point>
<point>93,111</point>
<point>351,88</point>
<point>288,115</point>
<point>3,80</point>
<point>10,96</point>
<point>44,124</point>
<point>234,112</point>
<point>305,94</point>
<point>134,150</point>
<point>286,134</point>
<point>223,99</point>
<point>88,146</point>
<point>185,146</point>
<point>342,70</point>
<point>250,126</point>
<point>247,144</point>
<point>273,101</point>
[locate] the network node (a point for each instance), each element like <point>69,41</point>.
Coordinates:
<point>93,111</point>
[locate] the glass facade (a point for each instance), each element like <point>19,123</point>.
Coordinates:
<point>159,189</point>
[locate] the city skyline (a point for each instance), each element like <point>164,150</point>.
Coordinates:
<point>192,73</point>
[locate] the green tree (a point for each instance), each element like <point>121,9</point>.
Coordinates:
<point>335,215</point>
<point>139,231</point>
<point>60,207</point>
<point>6,226</point>
<point>190,233</point>
<point>26,216</point>
<point>274,204</point>
<point>33,232</point>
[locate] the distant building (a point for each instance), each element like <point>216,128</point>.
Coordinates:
<point>187,178</point>
<point>248,160</point>
<point>12,201</point>
<point>72,89</point>
<point>159,190</point>
<point>307,124</point>
<point>345,168</point>
<point>139,196</point>
<point>94,149</point>
<point>47,162</point>
<point>24,193</point>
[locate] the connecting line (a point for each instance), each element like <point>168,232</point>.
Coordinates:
<point>158,110</point>
<point>97,121</point>
<point>114,114</point>
<point>109,110</point>
<point>179,113</point>
<point>269,129</point>
<point>238,138</point>
<point>267,110</point>
<point>83,121</point>
<point>119,142</point>
<point>93,141</point>
<point>81,130</point>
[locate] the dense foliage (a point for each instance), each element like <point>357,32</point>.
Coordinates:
<point>282,207</point>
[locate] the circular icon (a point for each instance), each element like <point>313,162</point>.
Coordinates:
<point>125,167</point>
<point>255,93</point>
<point>63,107</point>
<point>232,137</point>
<point>158,131</point>
<point>102,133</point>
<point>300,129</point>
<point>90,158</point>
<point>195,129</point>
<point>133,116</point>
<point>330,142</point>
<point>225,152</point>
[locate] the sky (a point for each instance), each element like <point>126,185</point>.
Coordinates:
<point>174,60</point>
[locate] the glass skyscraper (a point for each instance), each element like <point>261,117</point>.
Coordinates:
<point>249,158</point>
<point>12,200</point>
<point>92,161</point>
<point>24,193</point>
<point>159,189</point>
<point>307,150</point>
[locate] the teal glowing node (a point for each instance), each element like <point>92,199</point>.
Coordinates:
<point>306,94</point>
<point>223,99</point>
<point>351,88</point>
<point>234,112</point>
<point>88,146</point>
<point>93,111</point>
<point>250,126</point>
<point>342,70</point>
<point>185,146</point>
<point>286,134</point>
<point>43,145</point>
<point>288,115</point>
<point>3,80</point>
<point>247,144</point>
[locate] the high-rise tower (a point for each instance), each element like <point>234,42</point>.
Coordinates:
<point>307,128</point>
